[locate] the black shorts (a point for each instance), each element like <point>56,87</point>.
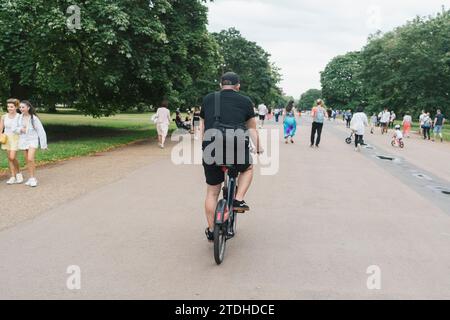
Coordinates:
<point>262,118</point>
<point>214,174</point>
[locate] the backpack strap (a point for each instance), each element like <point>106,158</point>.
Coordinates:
<point>217,106</point>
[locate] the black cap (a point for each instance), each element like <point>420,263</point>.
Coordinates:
<point>230,79</point>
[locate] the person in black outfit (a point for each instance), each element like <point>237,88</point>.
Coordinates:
<point>235,110</point>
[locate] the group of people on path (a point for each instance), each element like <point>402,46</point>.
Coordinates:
<point>21,130</point>
<point>427,124</point>
<point>386,119</point>
<point>289,120</point>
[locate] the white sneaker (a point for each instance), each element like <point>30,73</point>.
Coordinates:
<point>32,182</point>
<point>11,181</point>
<point>19,178</point>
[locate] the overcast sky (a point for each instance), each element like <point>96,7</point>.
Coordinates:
<point>304,35</point>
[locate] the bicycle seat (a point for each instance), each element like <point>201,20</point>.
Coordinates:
<point>231,169</point>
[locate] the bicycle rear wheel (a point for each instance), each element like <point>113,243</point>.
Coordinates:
<point>220,232</point>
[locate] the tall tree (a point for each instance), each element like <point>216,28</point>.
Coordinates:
<point>308,99</point>
<point>259,77</point>
<point>341,83</point>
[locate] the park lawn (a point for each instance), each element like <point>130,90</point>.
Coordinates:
<point>73,135</point>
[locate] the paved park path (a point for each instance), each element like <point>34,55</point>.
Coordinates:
<point>133,222</point>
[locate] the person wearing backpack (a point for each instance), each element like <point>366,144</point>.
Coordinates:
<point>318,114</point>
<point>427,123</point>
<point>230,110</point>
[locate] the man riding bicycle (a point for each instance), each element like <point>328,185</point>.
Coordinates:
<point>235,109</point>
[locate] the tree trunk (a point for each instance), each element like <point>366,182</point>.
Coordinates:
<point>17,90</point>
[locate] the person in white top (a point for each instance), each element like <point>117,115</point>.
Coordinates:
<point>385,119</point>
<point>358,125</point>
<point>262,112</point>
<point>397,138</point>
<point>162,123</point>
<point>8,125</point>
<point>392,120</point>
<point>422,121</point>
<point>32,135</point>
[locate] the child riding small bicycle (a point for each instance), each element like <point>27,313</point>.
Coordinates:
<point>397,139</point>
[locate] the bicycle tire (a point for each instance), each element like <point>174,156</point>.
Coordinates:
<point>220,232</point>
<point>235,215</point>
<point>348,141</point>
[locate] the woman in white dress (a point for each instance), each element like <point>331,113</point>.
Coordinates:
<point>32,135</point>
<point>163,123</point>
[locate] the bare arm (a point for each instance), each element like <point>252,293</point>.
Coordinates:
<point>254,135</point>
<point>1,125</point>
<point>202,129</point>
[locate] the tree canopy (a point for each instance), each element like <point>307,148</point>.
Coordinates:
<point>406,70</point>
<point>309,98</point>
<point>259,77</point>
<point>125,54</point>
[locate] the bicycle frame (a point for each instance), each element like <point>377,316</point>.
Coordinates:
<point>229,192</point>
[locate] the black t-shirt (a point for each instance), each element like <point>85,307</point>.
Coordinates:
<point>440,119</point>
<point>235,109</point>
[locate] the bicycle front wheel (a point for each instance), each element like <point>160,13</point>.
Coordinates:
<point>220,232</point>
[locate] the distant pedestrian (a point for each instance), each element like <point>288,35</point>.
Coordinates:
<point>358,125</point>
<point>407,124</point>
<point>348,117</point>
<point>385,119</point>
<point>32,136</point>
<point>318,114</point>
<point>8,126</point>
<point>290,123</point>
<point>278,111</point>
<point>373,123</point>
<point>439,122</point>
<point>397,138</point>
<point>421,122</point>
<point>163,122</point>
<point>392,120</point>
<point>426,127</point>
<point>262,112</point>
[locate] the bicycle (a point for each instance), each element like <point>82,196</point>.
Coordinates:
<point>398,142</point>
<point>225,221</point>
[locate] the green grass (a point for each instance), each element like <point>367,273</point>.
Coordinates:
<point>72,135</point>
